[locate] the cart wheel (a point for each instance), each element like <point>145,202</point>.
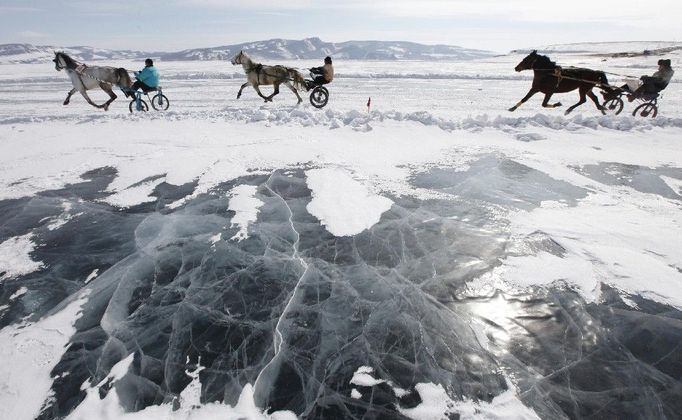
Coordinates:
<point>133,106</point>
<point>613,106</point>
<point>160,102</point>
<point>319,97</point>
<point>646,109</point>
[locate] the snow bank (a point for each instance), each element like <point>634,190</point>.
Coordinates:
<point>344,206</point>
<point>307,117</point>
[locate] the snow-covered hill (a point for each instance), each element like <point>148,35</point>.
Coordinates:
<point>281,49</point>
<point>27,53</point>
<point>313,48</point>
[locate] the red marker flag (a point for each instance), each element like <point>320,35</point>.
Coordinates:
<point>369,102</point>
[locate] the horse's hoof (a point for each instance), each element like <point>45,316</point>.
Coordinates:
<point>557,104</point>
<point>66,102</point>
<point>512,109</point>
<point>568,111</point>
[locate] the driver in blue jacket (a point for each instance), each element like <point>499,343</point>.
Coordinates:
<point>147,78</point>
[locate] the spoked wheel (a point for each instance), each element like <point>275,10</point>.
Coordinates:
<point>133,106</point>
<point>613,106</point>
<point>646,109</point>
<point>160,102</point>
<point>319,97</point>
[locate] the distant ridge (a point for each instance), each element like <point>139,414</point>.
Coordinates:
<point>272,49</point>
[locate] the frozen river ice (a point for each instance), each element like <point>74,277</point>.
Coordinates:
<point>439,256</point>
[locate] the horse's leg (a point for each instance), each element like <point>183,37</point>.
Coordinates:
<point>242,88</point>
<point>261,94</point>
<point>87,98</point>
<point>530,93</point>
<point>545,103</point>
<point>68,96</point>
<point>596,101</point>
<point>293,89</point>
<point>107,88</point>
<point>275,92</point>
<point>580,102</point>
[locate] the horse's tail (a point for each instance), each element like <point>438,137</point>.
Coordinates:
<point>123,78</point>
<point>297,78</point>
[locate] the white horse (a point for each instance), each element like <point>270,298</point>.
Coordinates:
<point>85,77</point>
<point>258,74</point>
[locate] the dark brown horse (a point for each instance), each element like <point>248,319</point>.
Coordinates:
<point>550,79</point>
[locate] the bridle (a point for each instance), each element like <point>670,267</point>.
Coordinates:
<point>238,58</point>
<point>57,63</point>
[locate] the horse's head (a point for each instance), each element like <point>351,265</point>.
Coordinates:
<point>535,61</point>
<point>59,63</point>
<point>239,58</point>
<point>527,63</point>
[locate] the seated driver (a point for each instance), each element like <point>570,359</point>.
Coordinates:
<point>646,84</point>
<point>656,82</point>
<point>324,74</point>
<point>147,78</point>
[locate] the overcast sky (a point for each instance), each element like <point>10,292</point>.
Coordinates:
<point>498,25</point>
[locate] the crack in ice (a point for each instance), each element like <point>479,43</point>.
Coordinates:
<point>279,339</point>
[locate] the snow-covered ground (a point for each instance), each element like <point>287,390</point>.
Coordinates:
<point>585,203</point>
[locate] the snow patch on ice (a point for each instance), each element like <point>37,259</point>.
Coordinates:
<point>63,218</point>
<point>634,249</point>
<point>343,205</point>
<point>246,206</point>
<point>92,275</point>
<point>22,291</point>
<point>109,408</point>
<point>28,354</point>
<point>437,405</point>
<point>134,195</point>
<point>15,257</point>
<point>363,377</point>
<point>674,184</point>
<point>545,269</point>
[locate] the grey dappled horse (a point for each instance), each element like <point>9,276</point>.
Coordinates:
<point>84,77</point>
<point>258,74</point>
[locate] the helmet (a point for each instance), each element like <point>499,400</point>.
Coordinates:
<point>148,62</point>
<point>327,60</point>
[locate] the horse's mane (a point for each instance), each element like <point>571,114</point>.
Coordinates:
<point>70,62</point>
<point>545,62</point>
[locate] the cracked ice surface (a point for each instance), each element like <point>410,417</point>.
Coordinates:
<point>293,318</point>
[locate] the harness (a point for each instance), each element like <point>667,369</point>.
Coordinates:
<point>258,69</point>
